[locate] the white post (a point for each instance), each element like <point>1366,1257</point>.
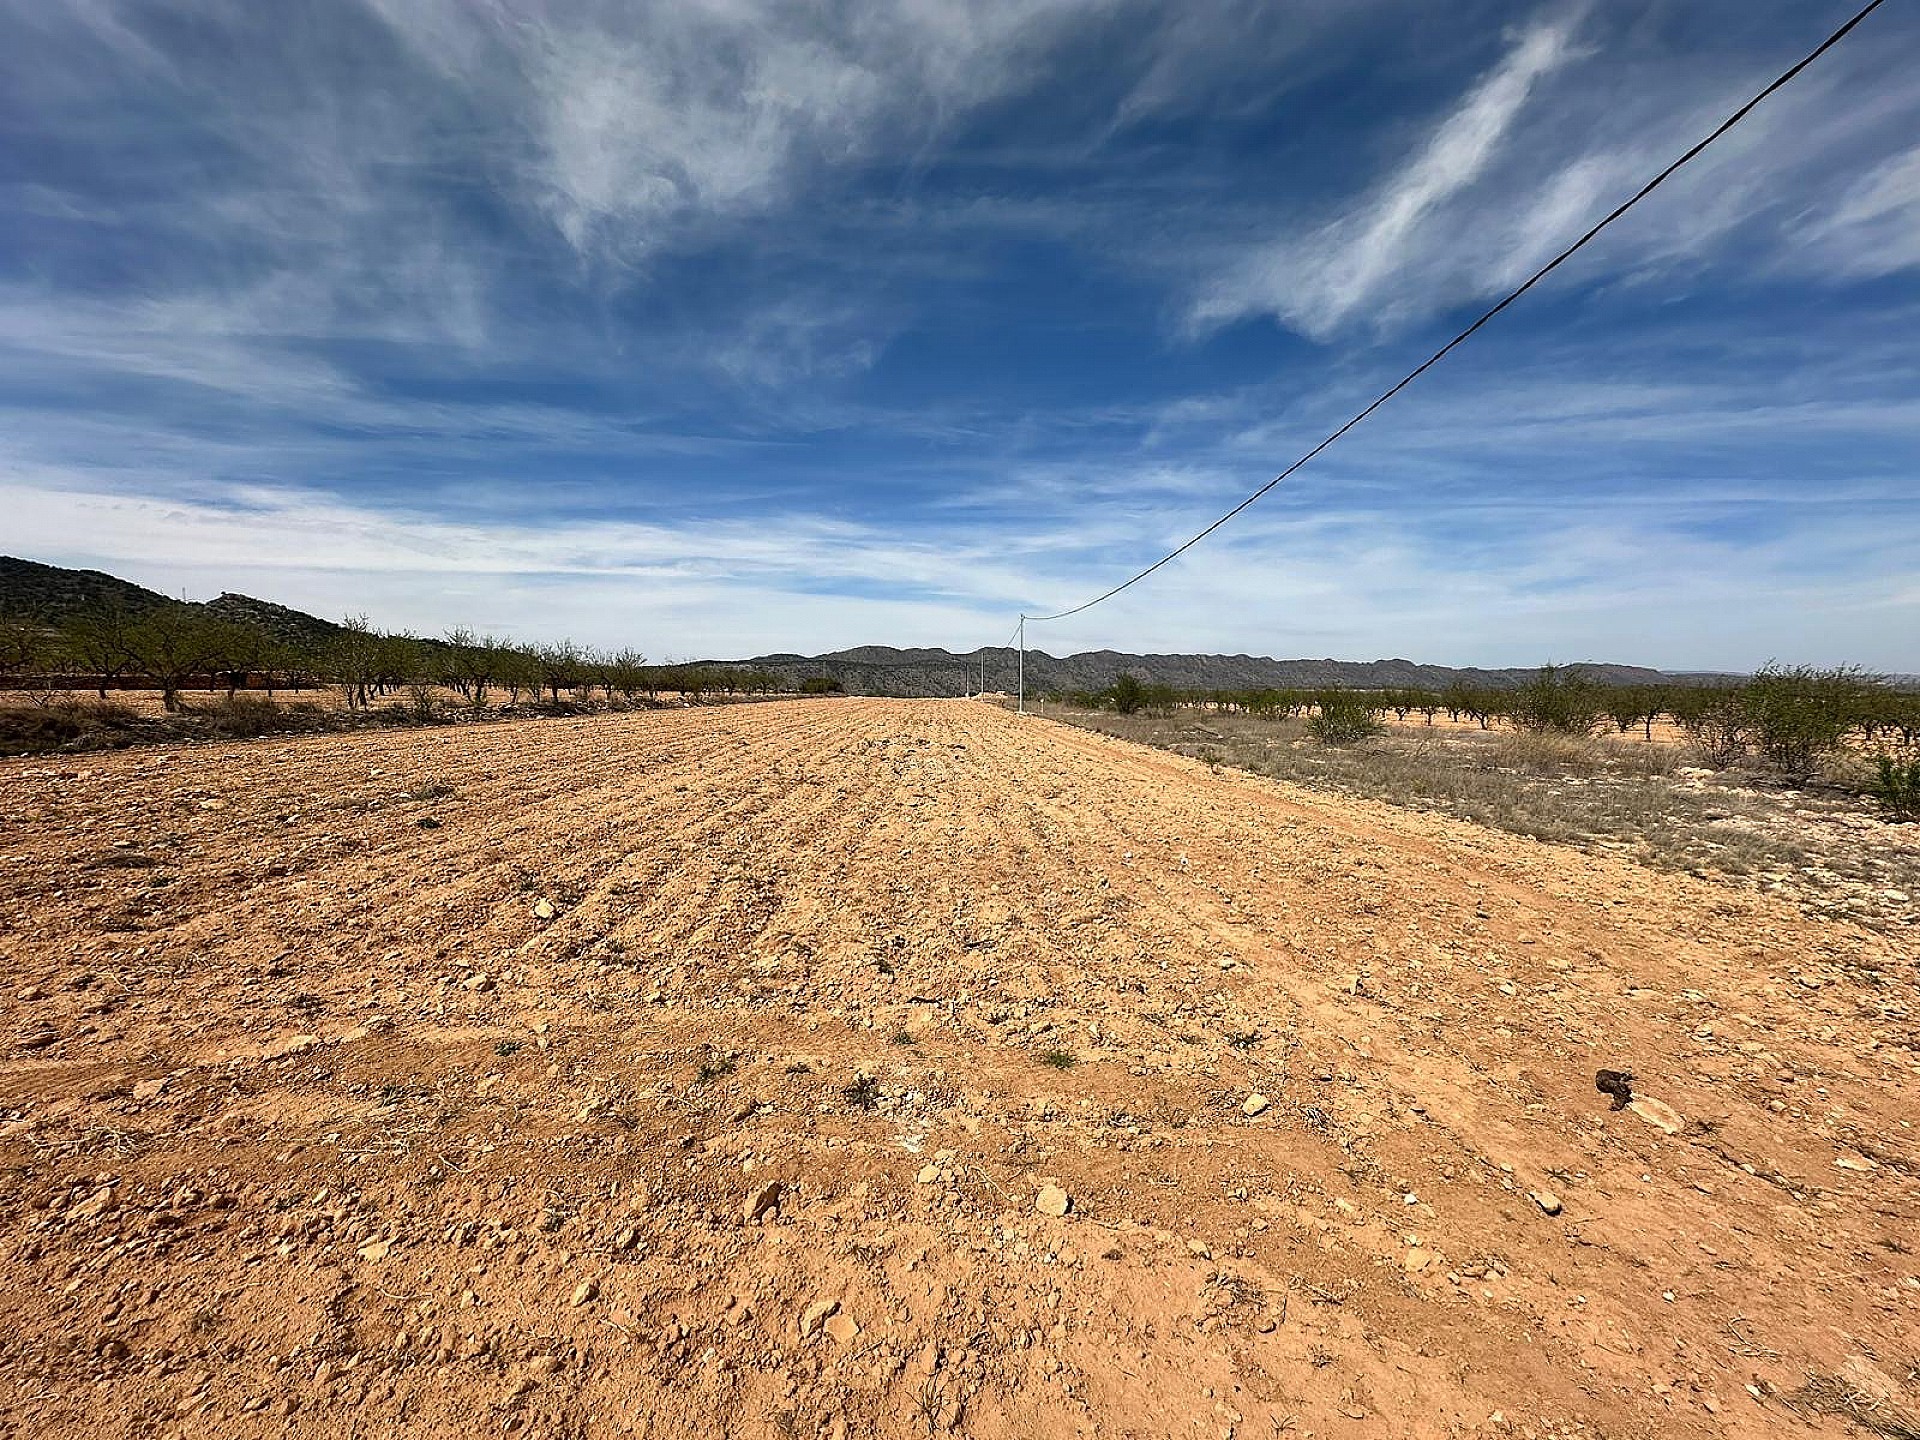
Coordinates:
<point>1023,665</point>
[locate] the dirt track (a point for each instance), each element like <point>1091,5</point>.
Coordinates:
<point>316,1120</point>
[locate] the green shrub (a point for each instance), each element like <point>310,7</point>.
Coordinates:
<point>1558,702</point>
<point>1342,717</point>
<point>820,685</point>
<point>1896,785</point>
<point>1799,717</point>
<point>1127,695</point>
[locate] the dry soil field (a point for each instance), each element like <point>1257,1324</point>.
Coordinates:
<point>853,1068</point>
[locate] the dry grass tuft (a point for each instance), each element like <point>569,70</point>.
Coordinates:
<point>1831,1395</point>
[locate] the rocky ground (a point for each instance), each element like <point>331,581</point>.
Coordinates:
<point>848,1068</point>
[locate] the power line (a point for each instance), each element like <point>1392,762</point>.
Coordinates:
<point>1534,279</point>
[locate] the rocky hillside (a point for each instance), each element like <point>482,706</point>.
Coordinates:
<point>296,627</point>
<point>55,595</point>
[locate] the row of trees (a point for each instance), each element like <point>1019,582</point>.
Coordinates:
<point>1794,719</point>
<point>173,648</point>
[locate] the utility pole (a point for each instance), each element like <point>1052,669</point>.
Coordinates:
<point>1023,665</point>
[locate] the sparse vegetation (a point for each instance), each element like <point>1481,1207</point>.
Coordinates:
<point>862,1094</point>
<point>1659,802</point>
<point>1058,1059</point>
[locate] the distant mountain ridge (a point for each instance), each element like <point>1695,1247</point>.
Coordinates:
<point>57,595</point>
<point>885,670</point>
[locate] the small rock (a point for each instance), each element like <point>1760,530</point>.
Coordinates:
<point>585,1291</point>
<point>1199,1249</point>
<point>99,1203</point>
<point>815,1315</point>
<point>1547,1201</point>
<point>1851,1161</point>
<point>1254,1104</point>
<point>1658,1113</point>
<point>766,1198</point>
<point>842,1328</point>
<point>1052,1200</point>
<point>928,1174</point>
<point>543,909</point>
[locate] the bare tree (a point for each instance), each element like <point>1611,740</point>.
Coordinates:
<point>354,659</point>
<point>26,652</point>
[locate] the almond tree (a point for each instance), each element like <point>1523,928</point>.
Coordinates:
<point>102,641</point>
<point>25,651</point>
<point>237,650</point>
<point>171,644</point>
<point>354,659</point>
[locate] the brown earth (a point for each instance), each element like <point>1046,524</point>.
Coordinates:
<point>548,1117</point>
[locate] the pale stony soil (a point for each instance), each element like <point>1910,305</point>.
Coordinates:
<point>848,1068</point>
<point>1828,847</point>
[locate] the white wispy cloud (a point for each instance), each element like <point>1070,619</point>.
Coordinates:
<point>1316,284</point>
<point>1567,124</point>
<point>1875,228</point>
<point>644,120</point>
<point>1320,281</point>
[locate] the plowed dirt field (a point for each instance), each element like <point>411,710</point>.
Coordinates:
<point>870,1068</point>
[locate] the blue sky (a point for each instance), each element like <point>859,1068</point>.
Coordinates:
<point>721,326</point>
